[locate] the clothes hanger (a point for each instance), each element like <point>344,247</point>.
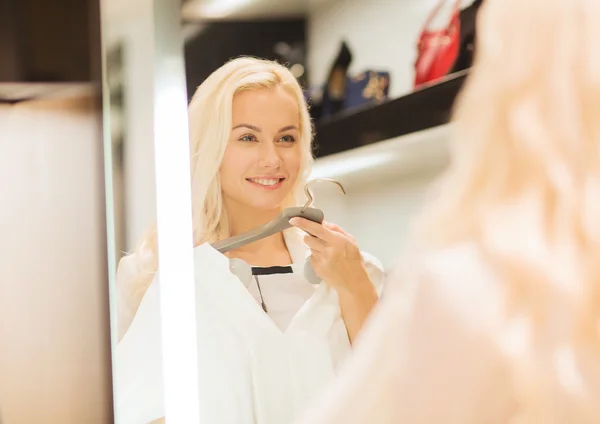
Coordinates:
<point>279,223</point>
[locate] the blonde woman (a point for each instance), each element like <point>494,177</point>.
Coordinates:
<point>504,321</point>
<point>270,342</point>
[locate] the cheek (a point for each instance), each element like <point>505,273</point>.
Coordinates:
<point>233,166</point>
<point>293,160</point>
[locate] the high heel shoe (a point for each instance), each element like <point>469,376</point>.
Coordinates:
<point>335,88</point>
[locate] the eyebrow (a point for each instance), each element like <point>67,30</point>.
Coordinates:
<point>257,129</point>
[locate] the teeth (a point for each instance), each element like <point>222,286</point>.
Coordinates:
<point>264,181</point>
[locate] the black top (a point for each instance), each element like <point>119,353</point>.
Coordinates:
<point>270,270</point>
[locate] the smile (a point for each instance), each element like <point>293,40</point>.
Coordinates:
<point>268,183</point>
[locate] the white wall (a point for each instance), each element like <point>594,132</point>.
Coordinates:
<point>53,287</point>
<point>382,35</point>
<point>379,214</point>
<point>382,213</point>
<point>384,196</point>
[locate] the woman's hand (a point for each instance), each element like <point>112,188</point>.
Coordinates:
<point>335,255</point>
<point>336,258</point>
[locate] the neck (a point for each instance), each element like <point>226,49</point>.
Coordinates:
<point>243,220</point>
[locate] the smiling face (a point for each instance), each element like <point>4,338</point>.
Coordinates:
<point>263,156</point>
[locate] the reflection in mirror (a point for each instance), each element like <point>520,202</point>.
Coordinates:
<point>147,151</point>
<point>272,330</point>
<point>115,68</point>
<point>128,116</point>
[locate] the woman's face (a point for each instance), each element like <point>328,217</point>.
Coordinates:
<point>263,156</point>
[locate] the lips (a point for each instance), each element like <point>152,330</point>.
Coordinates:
<point>266,182</point>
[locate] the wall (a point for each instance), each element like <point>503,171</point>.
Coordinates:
<point>385,196</point>
<point>53,287</point>
<point>382,35</point>
<point>379,215</point>
<point>218,42</point>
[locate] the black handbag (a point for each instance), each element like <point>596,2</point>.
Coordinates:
<point>466,51</point>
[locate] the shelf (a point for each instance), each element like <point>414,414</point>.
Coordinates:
<point>420,110</point>
<point>47,47</point>
<point>421,153</point>
<point>18,92</point>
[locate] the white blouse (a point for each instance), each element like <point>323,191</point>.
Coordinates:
<point>282,293</point>
<point>251,371</point>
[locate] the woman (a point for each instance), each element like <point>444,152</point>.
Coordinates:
<point>251,155</point>
<point>504,321</point>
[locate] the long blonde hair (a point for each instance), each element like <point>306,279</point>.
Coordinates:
<point>524,180</point>
<point>210,121</point>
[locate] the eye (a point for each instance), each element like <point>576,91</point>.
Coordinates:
<point>287,139</point>
<point>248,137</point>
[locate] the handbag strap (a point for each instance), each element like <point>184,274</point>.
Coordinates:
<point>437,9</point>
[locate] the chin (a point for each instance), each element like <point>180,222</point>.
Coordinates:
<point>267,206</point>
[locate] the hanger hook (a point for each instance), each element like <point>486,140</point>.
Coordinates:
<point>309,193</point>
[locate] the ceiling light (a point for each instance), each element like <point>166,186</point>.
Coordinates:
<point>297,70</point>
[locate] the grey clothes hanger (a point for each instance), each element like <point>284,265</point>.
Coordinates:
<point>279,223</point>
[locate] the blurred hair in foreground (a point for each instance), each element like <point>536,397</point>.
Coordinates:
<point>524,183</point>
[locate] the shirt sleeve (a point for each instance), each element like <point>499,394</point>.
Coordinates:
<point>137,365</point>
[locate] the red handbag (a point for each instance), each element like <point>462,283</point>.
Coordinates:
<point>437,50</point>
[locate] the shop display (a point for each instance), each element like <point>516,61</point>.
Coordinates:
<point>344,92</point>
<point>447,50</point>
<point>437,49</point>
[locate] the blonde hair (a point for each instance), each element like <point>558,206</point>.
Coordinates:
<point>524,180</point>
<point>210,121</point>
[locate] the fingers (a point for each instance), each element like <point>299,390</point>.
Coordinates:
<point>318,262</point>
<point>315,244</point>
<point>313,228</point>
<point>338,229</point>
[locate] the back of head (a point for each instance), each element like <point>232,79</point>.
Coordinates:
<point>210,124</point>
<point>526,118</point>
<point>525,174</point>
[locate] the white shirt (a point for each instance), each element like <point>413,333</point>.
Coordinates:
<point>251,371</point>
<point>283,294</point>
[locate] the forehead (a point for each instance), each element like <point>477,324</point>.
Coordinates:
<point>265,108</point>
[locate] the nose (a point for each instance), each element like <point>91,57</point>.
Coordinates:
<point>269,156</point>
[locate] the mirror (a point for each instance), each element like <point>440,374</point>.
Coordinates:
<point>128,115</point>
<point>214,346</point>
<point>147,153</point>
